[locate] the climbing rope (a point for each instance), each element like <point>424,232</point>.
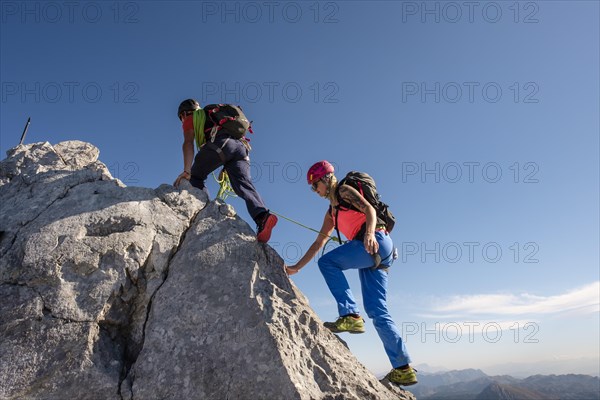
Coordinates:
<point>225,188</point>
<point>307,227</point>
<point>329,238</point>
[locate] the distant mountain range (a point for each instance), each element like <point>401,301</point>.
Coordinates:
<point>507,392</point>
<point>556,366</point>
<point>474,384</point>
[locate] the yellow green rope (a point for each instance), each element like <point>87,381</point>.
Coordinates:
<point>304,226</point>
<point>225,188</point>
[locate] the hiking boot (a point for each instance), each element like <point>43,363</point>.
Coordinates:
<point>347,324</point>
<point>265,227</point>
<point>404,377</point>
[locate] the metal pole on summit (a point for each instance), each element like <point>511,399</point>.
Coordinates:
<point>25,131</point>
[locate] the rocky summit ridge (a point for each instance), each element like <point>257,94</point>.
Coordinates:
<point>115,292</point>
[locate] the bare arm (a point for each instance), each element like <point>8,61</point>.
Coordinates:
<point>357,200</point>
<point>319,242</point>
<point>188,156</point>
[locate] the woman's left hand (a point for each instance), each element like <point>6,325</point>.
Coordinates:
<point>371,244</point>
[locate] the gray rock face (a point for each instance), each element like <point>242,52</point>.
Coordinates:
<point>114,292</point>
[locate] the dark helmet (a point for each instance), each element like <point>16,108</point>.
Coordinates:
<point>187,105</point>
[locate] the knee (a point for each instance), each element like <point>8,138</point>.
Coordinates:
<point>377,312</point>
<point>322,263</point>
<point>380,319</point>
<point>325,263</point>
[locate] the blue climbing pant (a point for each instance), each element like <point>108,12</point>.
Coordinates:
<point>353,255</point>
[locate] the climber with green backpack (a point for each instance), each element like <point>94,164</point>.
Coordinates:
<point>357,211</point>
<point>219,132</point>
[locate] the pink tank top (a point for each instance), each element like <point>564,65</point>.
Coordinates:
<point>349,221</point>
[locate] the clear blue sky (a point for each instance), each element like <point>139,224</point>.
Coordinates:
<point>479,121</point>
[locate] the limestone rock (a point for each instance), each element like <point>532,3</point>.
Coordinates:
<point>111,292</point>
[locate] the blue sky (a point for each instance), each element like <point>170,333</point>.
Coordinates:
<point>479,122</point>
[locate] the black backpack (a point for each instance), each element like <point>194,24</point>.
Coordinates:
<point>227,117</point>
<point>365,185</point>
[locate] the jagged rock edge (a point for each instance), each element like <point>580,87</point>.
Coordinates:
<point>161,279</point>
<point>59,197</point>
<point>126,376</point>
<point>47,312</point>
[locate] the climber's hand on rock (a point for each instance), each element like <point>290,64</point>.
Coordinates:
<point>291,269</point>
<point>184,175</point>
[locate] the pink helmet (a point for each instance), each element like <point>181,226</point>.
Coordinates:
<point>318,171</point>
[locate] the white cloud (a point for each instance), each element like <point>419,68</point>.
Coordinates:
<point>585,299</point>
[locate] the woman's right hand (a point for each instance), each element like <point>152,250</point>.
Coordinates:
<point>292,269</point>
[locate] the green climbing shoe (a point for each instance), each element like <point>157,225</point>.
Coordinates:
<point>404,377</point>
<point>347,324</point>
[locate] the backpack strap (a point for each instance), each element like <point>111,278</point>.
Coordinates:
<point>342,204</point>
<point>217,149</point>
<point>337,229</point>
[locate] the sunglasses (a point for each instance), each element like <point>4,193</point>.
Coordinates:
<point>315,185</point>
